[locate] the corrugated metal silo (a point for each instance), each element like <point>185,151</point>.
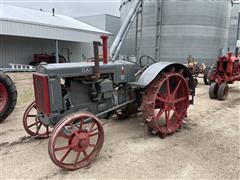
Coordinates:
<point>173,29</point>
<point>235,9</point>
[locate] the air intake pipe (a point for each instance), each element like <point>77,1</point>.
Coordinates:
<point>104,48</point>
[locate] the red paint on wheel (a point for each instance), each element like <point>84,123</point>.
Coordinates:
<point>165,103</point>
<point>76,141</point>
<point>3,97</point>
<point>32,124</point>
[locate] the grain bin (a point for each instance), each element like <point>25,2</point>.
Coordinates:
<point>174,29</point>
<point>235,9</point>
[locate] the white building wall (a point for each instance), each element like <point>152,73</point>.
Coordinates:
<point>20,50</point>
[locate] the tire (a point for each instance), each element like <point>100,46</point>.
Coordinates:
<point>213,90</point>
<point>222,92</point>
<point>61,59</point>
<point>206,76</point>
<point>8,93</point>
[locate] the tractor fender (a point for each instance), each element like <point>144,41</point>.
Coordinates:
<point>152,71</point>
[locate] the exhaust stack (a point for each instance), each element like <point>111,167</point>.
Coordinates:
<point>104,48</point>
<point>96,60</point>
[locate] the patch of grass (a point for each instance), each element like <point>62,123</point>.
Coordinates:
<point>25,96</point>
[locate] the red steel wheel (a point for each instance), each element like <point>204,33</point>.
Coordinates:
<point>32,125</point>
<point>76,141</point>
<point>165,103</point>
<point>3,97</point>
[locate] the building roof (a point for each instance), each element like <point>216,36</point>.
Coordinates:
<point>28,16</point>
<point>104,14</point>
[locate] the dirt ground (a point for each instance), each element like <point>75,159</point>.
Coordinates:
<point>207,147</point>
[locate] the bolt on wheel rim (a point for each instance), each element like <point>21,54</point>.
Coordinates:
<point>32,124</point>
<point>3,97</point>
<point>165,103</point>
<point>76,141</point>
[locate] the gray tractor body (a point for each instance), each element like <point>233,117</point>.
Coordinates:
<point>64,88</point>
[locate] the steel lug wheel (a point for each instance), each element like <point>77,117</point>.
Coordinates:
<point>165,103</point>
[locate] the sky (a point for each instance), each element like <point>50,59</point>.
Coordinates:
<point>74,8</point>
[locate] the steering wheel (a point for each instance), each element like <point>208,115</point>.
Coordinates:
<point>146,58</point>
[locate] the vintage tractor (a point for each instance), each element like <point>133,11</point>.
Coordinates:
<point>197,69</point>
<point>38,58</point>
<point>226,72</point>
<point>8,96</point>
<point>70,98</point>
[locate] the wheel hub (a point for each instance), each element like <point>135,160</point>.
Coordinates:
<point>80,141</point>
<point>170,103</point>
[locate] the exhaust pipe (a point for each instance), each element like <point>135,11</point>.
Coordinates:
<point>96,60</point>
<point>104,48</point>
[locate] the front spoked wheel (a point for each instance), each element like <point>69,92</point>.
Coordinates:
<point>32,124</point>
<point>76,141</point>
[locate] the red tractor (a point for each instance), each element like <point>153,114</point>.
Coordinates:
<point>227,71</point>
<point>38,58</point>
<point>197,69</point>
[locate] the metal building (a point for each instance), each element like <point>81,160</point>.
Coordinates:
<point>106,22</point>
<point>172,30</point>
<point>24,32</point>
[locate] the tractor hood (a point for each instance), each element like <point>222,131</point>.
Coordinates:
<point>83,68</point>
